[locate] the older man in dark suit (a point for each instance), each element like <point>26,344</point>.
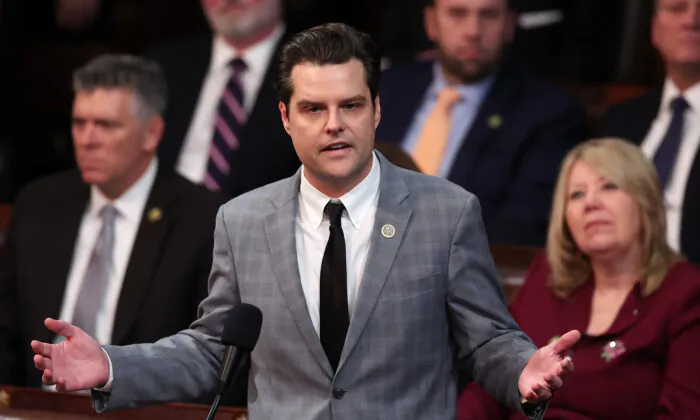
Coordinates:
<point>121,246</point>
<point>222,127</point>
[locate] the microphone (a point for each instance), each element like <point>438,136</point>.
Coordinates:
<point>241,332</point>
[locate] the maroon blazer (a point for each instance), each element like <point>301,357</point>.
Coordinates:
<point>646,366</point>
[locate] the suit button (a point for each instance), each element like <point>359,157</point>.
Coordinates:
<point>338,393</point>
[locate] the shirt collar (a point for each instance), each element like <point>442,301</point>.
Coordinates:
<point>130,204</point>
<point>473,92</point>
<point>671,92</point>
<point>256,57</point>
<point>356,201</point>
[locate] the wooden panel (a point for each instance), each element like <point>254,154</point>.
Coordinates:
<point>37,404</point>
<point>614,94</point>
<point>597,99</point>
<point>13,414</point>
<point>5,210</point>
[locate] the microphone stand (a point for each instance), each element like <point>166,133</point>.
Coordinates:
<point>226,380</point>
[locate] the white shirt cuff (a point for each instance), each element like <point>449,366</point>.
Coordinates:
<point>107,388</point>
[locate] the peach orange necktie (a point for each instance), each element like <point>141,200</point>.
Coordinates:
<point>433,138</point>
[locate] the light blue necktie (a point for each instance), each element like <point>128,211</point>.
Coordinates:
<point>100,266</point>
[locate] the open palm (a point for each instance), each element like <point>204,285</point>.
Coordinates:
<point>546,369</point>
<point>77,363</point>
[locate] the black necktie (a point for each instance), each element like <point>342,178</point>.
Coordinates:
<point>334,292</point>
<point>665,158</point>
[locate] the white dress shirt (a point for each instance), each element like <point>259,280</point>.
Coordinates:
<point>675,190</point>
<point>312,233</point>
<point>130,207</point>
<point>192,163</point>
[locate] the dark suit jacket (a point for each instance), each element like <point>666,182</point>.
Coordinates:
<point>511,168</point>
<point>651,372</point>
<point>632,120</point>
<point>165,280</point>
<point>266,153</point>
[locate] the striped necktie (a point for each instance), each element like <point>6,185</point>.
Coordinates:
<point>230,118</point>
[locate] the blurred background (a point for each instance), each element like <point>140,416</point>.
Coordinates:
<point>595,49</point>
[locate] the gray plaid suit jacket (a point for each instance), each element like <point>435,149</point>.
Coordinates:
<point>430,301</point>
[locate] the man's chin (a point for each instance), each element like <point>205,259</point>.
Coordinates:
<point>92,178</point>
<point>473,72</point>
<point>468,71</point>
<point>240,27</point>
<point>690,59</point>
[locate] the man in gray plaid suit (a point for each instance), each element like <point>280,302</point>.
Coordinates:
<point>417,296</point>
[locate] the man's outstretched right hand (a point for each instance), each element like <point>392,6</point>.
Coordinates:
<point>77,363</point>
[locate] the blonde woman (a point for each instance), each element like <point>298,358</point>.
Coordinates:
<point>609,272</point>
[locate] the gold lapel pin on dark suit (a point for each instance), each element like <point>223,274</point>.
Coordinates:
<point>155,214</point>
<point>495,121</point>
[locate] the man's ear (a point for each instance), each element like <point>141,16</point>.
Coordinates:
<point>377,112</point>
<point>429,23</point>
<point>153,133</point>
<point>511,26</point>
<point>284,114</point>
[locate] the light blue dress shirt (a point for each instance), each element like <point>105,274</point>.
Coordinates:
<point>463,114</point>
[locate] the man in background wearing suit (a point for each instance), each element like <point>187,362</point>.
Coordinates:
<point>372,279</point>
<point>122,246</point>
<point>475,119</point>
<point>666,122</point>
<point>222,127</point>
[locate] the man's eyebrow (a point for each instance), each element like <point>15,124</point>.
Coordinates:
<point>308,103</point>
<point>356,98</point>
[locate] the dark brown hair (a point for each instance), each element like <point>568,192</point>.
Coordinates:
<point>331,43</point>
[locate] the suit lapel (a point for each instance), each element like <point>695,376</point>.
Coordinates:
<point>185,79</point>
<point>280,227</point>
<point>263,126</point>
<point>413,87</point>
<point>487,123</point>
<point>636,128</point>
<point>145,255</point>
<point>59,238</point>
<point>261,133</point>
<point>392,209</point>
<point>690,222</point>
<point>267,95</point>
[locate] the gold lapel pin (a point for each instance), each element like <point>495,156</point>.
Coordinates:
<point>388,231</point>
<point>155,214</point>
<point>495,121</point>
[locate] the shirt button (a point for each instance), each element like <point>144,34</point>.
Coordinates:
<point>338,393</point>
<point>635,312</point>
